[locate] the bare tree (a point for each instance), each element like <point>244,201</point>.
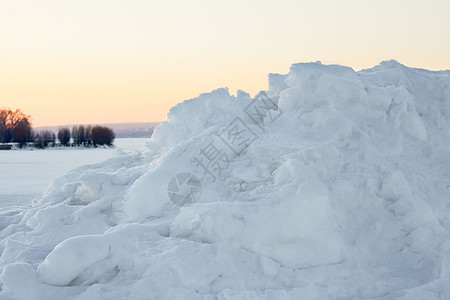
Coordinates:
<point>75,135</point>
<point>38,140</point>
<point>79,135</point>
<point>3,124</point>
<point>102,136</point>
<point>44,138</point>
<point>53,139</point>
<point>22,132</point>
<point>89,135</point>
<point>64,136</point>
<point>9,120</point>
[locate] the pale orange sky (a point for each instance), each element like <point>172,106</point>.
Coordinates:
<point>89,61</point>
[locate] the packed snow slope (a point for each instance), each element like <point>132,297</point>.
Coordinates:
<point>339,190</point>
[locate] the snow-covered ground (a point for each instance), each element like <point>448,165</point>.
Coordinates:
<point>334,184</point>
<point>25,174</point>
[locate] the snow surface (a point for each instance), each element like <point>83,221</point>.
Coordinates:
<point>342,193</point>
<point>25,174</point>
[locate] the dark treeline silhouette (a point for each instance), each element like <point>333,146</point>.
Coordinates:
<point>15,127</point>
<point>90,136</point>
<point>43,139</point>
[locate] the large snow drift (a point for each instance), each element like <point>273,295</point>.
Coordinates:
<point>334,184</point>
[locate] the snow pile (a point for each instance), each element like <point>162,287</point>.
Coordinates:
<point>332,185</point>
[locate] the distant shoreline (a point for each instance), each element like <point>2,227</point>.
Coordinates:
<point>15,147</point>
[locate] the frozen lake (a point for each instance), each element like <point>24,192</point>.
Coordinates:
<point>25,174</point>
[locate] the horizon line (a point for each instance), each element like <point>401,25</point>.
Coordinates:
<point>107,123</point>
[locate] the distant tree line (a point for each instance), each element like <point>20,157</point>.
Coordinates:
<point>87,135</point>
<point>15,127</point>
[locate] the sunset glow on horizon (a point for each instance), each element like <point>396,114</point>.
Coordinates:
<point>79,62</point>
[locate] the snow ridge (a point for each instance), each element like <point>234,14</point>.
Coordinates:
<point>338,191</point>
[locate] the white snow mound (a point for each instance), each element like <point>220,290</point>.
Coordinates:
<point>333,184</point>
